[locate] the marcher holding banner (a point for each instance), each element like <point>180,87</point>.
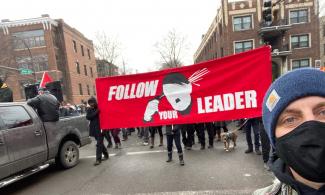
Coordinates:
<point>95,131</point>
<point>210,91</point>
<point>173,132</point>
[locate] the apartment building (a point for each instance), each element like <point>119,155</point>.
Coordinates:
<point>46,44</point>
<point>293,32</point>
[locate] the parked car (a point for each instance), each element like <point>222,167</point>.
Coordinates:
<point>27,145</point>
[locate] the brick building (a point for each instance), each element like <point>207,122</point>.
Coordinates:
<point>44,44</point>
<point>240,26</point>
<point>322,40</point>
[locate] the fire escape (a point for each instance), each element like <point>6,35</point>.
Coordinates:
<point>272,31</point>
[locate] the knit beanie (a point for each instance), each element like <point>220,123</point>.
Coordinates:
<point>289,87</point>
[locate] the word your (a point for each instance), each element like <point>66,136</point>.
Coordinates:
<point>226,102</point>
<point>168,115</point>
<point>132,91</point>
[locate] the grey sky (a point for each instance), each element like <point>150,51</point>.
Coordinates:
<point>137,24</point>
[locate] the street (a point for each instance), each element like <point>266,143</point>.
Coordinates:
<point>136,169</point>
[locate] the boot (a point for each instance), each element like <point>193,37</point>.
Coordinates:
<point>169,157</point>
<point>181,159</point>
<point>161,141</point>
<point>202,147</point>
<point>97,162</point>
<point>106,156</point>
<point>152,140</point>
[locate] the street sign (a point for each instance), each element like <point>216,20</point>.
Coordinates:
<point>25,71</point>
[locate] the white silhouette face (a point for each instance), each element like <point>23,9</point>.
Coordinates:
<point>178,95</point>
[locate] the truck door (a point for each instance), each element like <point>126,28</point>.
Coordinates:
<point>4,157</point>
<point>25,138</point>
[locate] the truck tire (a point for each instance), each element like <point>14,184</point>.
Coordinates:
<point>68,155</point>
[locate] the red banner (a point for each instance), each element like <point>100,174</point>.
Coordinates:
<point>229,88</point>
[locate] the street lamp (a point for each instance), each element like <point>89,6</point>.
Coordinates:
<point>30,55</point>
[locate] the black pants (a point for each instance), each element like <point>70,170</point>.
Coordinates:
<point>177,138</point>
<point>199,128</point>
<point>154,130</point>
<point>187,135</point>
<point>100,148</point>
<point>106,134</point>
<point>252,124</point>
<point>266,147</point>
<point>211,132</point>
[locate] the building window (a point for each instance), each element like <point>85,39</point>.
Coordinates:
<point>80,89</point>
<point>300,63</point>
<point>82,50</point>
<point>28,39</point>
<point>242,23</point>
<point>74,46</point>
<point>94,88</point>
<point>221,51</point>
<point>243,46</point>
<point>91,72</point>
<point>298,16</point>
<point>323,30</point>
<point>88,90</point>
<point>78,67</point>
<point>85,70</point>
<point>324,49</point>
<point>88,52</point>
<point>299,41</point>
<point>39,63</point>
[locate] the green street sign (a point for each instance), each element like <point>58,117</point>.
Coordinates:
<point>25,71</point>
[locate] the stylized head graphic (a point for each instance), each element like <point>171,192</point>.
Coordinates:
<point>177,90</point>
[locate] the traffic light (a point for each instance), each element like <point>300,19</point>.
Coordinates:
<point>267,11</point>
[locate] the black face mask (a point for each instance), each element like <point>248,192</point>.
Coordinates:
<point>303,149</point>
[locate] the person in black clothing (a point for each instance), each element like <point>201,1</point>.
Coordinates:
<point>46,105</point>
<point>5,92</point>
<point>153,131</point>
<point>95,131</point>
<point>199,128</point>
<point>211,133</point>
<point>187,136</point>
<point>173,133</point>
<point>253,123</point>
<point>218,126</point>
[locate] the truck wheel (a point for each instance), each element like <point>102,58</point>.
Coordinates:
<point>69,155</point>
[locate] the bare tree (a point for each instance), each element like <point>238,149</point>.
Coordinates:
<point>107,48</point>
<point>171,49</point>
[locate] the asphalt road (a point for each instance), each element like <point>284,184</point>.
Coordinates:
<point>136,169</point>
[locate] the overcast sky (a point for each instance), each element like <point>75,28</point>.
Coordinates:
<point>137,24</point>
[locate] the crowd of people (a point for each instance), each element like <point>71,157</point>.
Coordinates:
<point>290,133</point>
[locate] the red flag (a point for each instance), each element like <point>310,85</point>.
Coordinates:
<point>229,88</point>
<point>45,79</point>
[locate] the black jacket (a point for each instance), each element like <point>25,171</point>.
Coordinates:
<point>173,129</point>
<point>47,107</point>
<point>93,116</point>
<point>283,173</point>
<point>5,93</point>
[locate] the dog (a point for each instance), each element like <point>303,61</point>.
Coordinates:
<point>227,137</point>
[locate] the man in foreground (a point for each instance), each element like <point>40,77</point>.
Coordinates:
<point>294,119</point>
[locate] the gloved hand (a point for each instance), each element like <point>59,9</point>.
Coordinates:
<point>151,109</point>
